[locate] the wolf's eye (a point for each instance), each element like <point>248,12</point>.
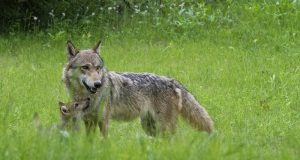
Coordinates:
<point>98,68</point>
<point>85,67</point>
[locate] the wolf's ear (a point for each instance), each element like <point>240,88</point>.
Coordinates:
<point>97,47</point>
<point>71,50</point>
<point>64,110</point>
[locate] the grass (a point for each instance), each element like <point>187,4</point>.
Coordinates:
<point>247,76</point>
<point>252,95</point>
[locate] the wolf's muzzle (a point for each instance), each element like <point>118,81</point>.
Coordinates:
<point>93,90</point>
<point>97,84</point>
<point>87,105</point>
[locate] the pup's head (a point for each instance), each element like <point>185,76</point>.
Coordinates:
<point>85,67</point>
<point>72,112</point>
<point>69,110</point>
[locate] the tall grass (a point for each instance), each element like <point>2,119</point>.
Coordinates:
<point>245,71</point>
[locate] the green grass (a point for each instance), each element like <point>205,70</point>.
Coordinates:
<point>250,91</point>
<point>242,63</point>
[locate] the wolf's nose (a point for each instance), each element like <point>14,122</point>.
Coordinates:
<point>97,84</point>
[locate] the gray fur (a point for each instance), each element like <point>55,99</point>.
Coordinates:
<point>157,100</point>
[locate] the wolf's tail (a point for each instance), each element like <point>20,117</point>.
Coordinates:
<point>193,112</point>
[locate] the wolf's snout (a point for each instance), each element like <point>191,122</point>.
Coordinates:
<point>97,84</point>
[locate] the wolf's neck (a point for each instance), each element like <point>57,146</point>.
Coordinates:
<point>77,92</point>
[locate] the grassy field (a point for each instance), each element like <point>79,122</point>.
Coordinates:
<point>241,61</point>
<point>251,92</point>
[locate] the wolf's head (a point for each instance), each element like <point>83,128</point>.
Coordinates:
<point>85,68</point>
<point>72,112</point>
<point>68,110</point>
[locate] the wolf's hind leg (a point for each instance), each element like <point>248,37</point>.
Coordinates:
<point>149,124</point>
<point>166,116</point>
<point>167,122</point>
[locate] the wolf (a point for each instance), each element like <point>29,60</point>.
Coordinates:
<point>70,114</point>
<point>156,100</point>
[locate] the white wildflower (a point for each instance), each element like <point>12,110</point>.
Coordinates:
<point>181,5</point>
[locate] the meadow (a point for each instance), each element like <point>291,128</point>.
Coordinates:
<point>247,76</point>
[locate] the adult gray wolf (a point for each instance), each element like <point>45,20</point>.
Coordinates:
<point>157,100</point>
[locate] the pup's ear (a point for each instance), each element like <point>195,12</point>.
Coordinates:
<point>71,50</point>
<point>63,108</point>
<point>97,47</point>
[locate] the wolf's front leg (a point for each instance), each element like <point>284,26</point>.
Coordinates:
<point>104,122</point>
<point>90,125</point>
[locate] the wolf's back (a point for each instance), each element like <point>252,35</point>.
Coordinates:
<point>194,113</point>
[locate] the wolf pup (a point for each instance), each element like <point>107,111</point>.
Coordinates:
<point>70,114</point>
<point>157,100</point>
